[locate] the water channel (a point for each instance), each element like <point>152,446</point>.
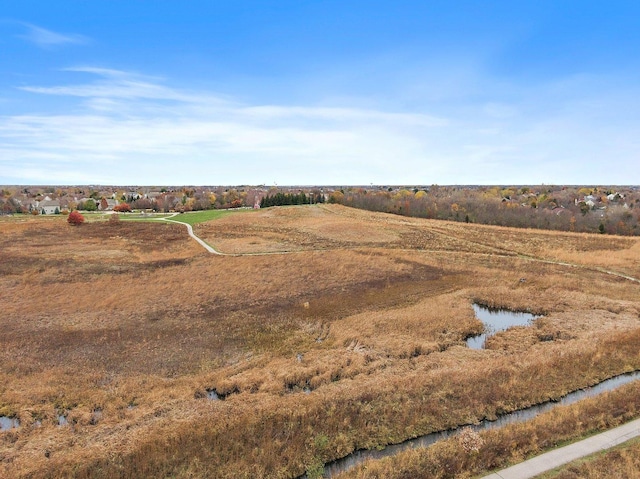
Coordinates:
<point>339,466</point>
<point>494,320</point>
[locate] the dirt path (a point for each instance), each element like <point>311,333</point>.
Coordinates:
<point>574,265</point>
<point>564,455</point>
<point>211,250</point>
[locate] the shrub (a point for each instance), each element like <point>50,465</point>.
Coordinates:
<point>75,218</point>
<point>122,208</point>
<point>470,440</point>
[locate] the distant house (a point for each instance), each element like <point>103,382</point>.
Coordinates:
<point>588,200</point>
<point>49,207</point>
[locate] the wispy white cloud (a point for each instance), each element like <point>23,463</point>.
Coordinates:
<point>113,86</point>
<point>134,129</point>
<point>46,38</point>
<point>341,114</point>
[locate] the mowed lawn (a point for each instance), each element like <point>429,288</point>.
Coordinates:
<point>192,217</point>
<point>195,217</point>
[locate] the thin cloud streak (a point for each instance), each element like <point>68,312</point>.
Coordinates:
<point>46,38</point>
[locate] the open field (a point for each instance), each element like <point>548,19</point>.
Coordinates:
<point>352,338</point>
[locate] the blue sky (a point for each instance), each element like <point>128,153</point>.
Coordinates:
<point>319,92</point>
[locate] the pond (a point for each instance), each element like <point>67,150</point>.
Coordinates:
<point>7,423</point>
<point>496,320</point>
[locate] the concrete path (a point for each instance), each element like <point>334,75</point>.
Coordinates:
<point>198,239</point>
<point>191,233</point>
<point>558,457</point>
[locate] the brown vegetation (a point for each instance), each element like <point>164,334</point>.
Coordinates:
<point>465,457</point>
<point>353,339</point>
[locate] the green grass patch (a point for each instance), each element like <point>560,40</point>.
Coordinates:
<point>196,217</point>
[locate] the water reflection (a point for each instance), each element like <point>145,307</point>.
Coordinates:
<point>7,423</point>
<point>496,320</point>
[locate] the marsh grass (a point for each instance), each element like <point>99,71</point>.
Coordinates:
<point>517,442</point>
<point>356,336</point>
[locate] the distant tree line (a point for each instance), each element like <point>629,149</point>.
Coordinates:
<point>563,209</point>
<point>283,199</point>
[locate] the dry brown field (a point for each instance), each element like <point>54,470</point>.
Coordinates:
<point>324,330</point>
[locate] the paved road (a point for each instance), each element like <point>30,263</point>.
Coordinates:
<point>558,457</point>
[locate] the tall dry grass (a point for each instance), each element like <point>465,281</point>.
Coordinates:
<point>123,328</point>
<point>517,442</point>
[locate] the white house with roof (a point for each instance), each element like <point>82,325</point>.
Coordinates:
<point>48,207</point>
